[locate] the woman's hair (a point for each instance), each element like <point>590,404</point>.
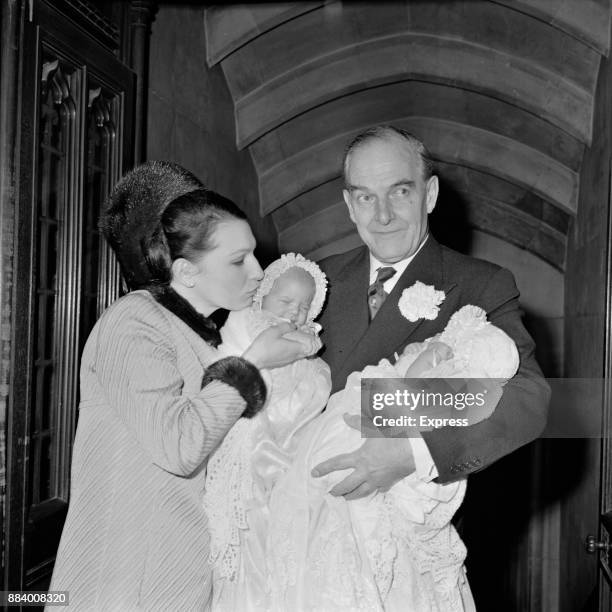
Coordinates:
<point>157,213</point>
<point>186,230</point>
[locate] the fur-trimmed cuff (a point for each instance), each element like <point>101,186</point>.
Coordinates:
<point>244,377</point>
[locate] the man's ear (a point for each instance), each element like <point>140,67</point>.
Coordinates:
<point>432,189</point>
<point>184,272</point>
<point>347,200</point>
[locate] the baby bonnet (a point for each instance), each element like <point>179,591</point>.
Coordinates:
<point>280,266</point>
<point>480,347</point>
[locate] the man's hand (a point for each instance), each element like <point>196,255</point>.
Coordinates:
<point>377,464</point>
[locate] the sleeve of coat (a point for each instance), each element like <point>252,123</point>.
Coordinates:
<point>136,367</point>
<point>520,415</point>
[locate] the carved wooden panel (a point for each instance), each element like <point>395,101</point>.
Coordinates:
<point>76,140</point>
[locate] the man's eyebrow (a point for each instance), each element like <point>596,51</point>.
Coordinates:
<point>408,182</point>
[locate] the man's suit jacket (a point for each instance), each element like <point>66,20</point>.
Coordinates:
<point>351,343</point>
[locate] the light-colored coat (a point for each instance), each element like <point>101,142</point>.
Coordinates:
<point>136,534</point>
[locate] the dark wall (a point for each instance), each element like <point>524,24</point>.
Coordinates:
<point>585,311</point>
<point>191,115</point>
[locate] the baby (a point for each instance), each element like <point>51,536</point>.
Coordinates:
<point>293,289</point>
<point>393,550</point>
<point>256,452</point>
<point>469,347</point>
<point>291,294</point>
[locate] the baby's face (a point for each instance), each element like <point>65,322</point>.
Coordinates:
<point>426,358</point>
<point>291,296</point>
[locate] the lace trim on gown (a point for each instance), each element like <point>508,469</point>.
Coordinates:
<point>228,488</point>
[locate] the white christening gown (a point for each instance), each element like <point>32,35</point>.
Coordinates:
<point>281,542</point>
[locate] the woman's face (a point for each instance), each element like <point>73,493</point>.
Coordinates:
<point>228,274</point>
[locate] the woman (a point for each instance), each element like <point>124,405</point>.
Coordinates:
<point>156,399</point>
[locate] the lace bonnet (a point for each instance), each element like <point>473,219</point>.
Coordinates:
<point>480,346</point>
<point>280,266</point>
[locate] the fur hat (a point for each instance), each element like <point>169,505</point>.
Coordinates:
<point>134,209</point>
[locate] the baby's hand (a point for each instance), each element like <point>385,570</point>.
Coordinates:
<point>311,328</point>
<point>307,338</point>
<point>435,353</point>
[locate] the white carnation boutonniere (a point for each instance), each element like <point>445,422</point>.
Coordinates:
<point>420,301</point>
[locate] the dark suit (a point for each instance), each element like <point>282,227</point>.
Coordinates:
<point>351,343</point>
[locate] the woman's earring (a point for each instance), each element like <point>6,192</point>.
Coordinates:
<point>190,284</point>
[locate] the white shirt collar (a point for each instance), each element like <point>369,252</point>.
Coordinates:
<point>399,267</point>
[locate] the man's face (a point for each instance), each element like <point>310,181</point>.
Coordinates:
<point>387,197</point>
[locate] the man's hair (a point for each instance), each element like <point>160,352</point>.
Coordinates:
<point>385,132</point>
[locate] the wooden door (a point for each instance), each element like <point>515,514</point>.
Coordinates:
<point>601,543</point>
<point>76,139</point>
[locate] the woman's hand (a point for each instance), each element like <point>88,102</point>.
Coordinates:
<point>280,345</point>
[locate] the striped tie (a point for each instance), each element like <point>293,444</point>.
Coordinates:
<point>376,291</point>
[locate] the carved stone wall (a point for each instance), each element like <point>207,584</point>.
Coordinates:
<point>191,116</point>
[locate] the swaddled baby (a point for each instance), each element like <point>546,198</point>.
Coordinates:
<point>469,347</point>
<point>245,468</point>
<point>397,549</point>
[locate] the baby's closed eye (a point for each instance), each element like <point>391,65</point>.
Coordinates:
<point>440,351</point>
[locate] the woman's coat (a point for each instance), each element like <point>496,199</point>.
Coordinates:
<point>136,537</point>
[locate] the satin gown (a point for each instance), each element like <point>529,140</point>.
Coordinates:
<point>245,468</point>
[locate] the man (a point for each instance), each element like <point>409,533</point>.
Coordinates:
<point>390,191</point>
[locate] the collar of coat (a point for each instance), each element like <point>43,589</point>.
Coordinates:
<point>206,327</point>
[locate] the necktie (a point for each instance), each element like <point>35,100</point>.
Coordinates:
<point>376,291</point>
